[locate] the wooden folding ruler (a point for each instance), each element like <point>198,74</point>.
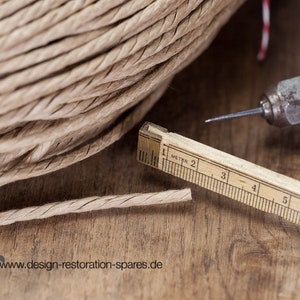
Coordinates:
<point>219,172</point>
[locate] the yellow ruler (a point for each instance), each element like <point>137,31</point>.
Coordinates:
<point>219,172</point>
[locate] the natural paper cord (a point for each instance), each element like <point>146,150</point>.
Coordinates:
<point>92,204</point>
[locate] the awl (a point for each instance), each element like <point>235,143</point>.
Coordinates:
<point>280,105</point>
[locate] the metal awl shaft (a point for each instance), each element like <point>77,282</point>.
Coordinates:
<point>279,105</point>
<point>250,112</point>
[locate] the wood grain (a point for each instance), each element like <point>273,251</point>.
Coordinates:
<point>212,249</point>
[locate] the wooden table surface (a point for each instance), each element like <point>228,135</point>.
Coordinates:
<point>212,248</point>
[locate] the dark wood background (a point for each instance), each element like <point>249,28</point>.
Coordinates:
<point>212,248</point>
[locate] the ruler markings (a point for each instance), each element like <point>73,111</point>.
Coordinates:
<point>211,183</point>
<point>218,177</point>
<point>234,192</point>
<point>222,188</point>
<point>218,186</point>
<point>265,204</point>
<point>268,209</point>
<point>193,174</point>
<point>277,208</point>
<point>294,218</point>
<point>202,178</point>
<point>203,183</point>
<point>247,198</point>
<point>272,207</point>
<point>245,175</point>
<point>280,211</point>
<point>258,201</point>
<point>251,199</point>
<point>190,172</point>
<point>169,166</point>
<point>258,188</point>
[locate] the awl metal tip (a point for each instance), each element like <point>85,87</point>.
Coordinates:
<point>250,112</point>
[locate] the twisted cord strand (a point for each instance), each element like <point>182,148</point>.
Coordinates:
<point>93,204</point>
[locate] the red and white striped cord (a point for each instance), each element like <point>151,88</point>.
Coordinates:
<point>265,30</point>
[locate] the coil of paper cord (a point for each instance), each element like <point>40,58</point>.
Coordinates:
<point>77,75</point>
